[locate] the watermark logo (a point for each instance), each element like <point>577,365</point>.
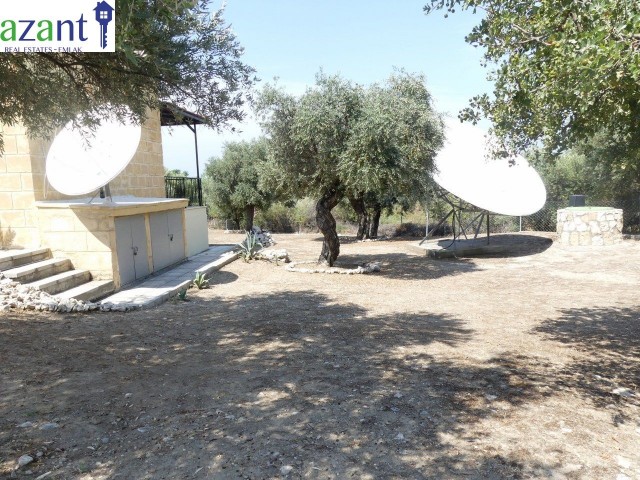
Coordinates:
<point>67,26</point>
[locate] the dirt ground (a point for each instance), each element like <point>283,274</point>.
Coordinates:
<point>522,366</point>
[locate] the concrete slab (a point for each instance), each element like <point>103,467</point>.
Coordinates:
<point>158,288</point>
<point>503,244</point>
<point>461,248</point>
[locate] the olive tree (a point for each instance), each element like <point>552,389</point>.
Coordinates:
<point>232,181</point>
<point>340,139</point>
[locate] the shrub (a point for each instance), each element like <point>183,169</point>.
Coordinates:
<point>276,218</point>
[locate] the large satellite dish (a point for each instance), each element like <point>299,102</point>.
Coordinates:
<point>465,169</point>
<point>78,164</point>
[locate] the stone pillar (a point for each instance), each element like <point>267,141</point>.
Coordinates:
<point>589,226</point>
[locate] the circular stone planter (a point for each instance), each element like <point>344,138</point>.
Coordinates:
<point>589,226</point>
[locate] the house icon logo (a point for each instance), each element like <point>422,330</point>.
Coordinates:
<point>104,15</point>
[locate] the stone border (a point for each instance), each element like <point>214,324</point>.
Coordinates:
<point>362,269</point>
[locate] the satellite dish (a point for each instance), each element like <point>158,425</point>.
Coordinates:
<point>78,164</point>
<point>465,169</point>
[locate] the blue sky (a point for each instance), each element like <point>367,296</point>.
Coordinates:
<point>362,40</point>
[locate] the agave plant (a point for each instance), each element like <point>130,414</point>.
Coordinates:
<point>201,281</point>
<point>250,247</point>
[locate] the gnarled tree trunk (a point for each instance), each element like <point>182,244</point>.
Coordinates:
<point>327,225</point>
<point>375,221</point>
<point>249,212</point>
<point>357,203</point>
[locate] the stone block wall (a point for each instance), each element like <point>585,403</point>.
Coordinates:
<point>17,181</point>
<point>597,226</point>
<point>87,239</point>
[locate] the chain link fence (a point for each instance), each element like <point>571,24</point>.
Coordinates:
<point>223,224</point>
<point>543,220</point>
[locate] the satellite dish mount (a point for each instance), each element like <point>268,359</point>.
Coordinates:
<point>460,227</point>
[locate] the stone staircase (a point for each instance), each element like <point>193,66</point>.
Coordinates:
<point>55,276</point>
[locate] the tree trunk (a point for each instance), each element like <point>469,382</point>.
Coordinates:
<point>249,212</point>
<point>375,221</point>
<point>363,218</point>
<point>327,225</point>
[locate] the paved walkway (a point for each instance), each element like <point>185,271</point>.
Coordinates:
<point>160,287</point>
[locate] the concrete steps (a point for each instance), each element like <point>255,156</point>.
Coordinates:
<point>90,291</point>
<point>38,270</point>
<point>62,281</point>
<point>55,276</point>
<point>18,258</point>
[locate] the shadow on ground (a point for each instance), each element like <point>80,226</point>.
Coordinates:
<point>404,266</point>
<point>609,337</point>
<point>510,245</point>
<point>221,277</point>
<point>246,387</point>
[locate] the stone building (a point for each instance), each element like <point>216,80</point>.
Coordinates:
<point>93,234</point>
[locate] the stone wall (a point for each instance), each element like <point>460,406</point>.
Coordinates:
<point>17,182</point>
<point>589,226</point>
<point>87,239</point>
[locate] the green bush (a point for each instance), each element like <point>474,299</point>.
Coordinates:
<point>276,218</point>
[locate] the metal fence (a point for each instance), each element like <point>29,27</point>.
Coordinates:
<point>184,187</point>
<point>545,219</point>
<point>223,224</point>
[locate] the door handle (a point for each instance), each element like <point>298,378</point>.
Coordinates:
<point>135,250</point>
<point>171,237</point>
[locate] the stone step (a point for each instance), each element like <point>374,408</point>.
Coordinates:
<point>90,291</point>
<point>17,258</point>
<point>35,271</point>
<point>62,281</point>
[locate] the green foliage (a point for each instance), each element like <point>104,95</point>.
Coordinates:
<point>231,183</point>
<point>165,50</point>
<point>182,295</point>
<point>304,214</point>
<point>341,139</point>
<point>249,248</point>
<point>175,172</point>
<point>562,69</point>
<point>381,138</point>
<point>277,218</point>
<point>601,168</point>
<point>200,281</point>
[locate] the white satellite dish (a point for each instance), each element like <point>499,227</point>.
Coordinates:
<point>79,164</point>
<point>465,169</point>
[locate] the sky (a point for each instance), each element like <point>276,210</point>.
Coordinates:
<point>362,40</point>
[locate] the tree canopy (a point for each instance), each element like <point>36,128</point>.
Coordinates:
<point>165,50</point>
<point>175,172</point>
<point>563,70</point>
<point>599,168</point>
<point>342,139</point>
<point>232,182</point>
